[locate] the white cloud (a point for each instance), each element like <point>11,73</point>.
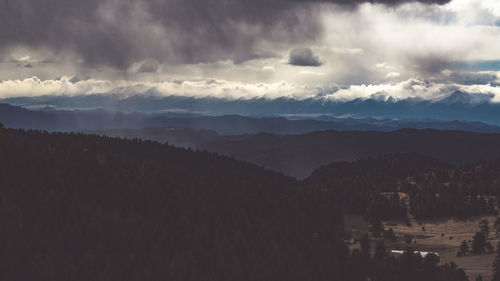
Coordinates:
<point>411,88</point>
<point>393,74</point>
<point>195,88</point>
<point>310,72</point>
<point>35,87</point>
<point>400,36</point>
<point>268,68</point>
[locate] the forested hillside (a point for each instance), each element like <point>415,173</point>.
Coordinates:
<point>81,207</point>
<point>375,186</point>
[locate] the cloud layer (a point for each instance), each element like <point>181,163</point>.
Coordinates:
<point>119,33</point>
<point>338,49</point>
<point>409,89</point>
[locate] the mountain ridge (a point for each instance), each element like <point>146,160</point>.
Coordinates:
<point>457,105</point>
<point>299,155</point>
<point>99,119</point>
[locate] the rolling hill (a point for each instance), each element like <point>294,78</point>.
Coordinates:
<point>299,155</point>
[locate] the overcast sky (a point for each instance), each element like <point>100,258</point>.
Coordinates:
<point>340,49</point>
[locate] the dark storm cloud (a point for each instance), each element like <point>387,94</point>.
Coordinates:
<point>303,57</point>
<point>119,33</point>
<point>431,63</point>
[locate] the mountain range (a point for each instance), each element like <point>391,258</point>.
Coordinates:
<point>94,120</point>
<point>457,105</point>
<point>294,147</point>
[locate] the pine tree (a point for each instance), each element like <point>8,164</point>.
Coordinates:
<point>496,265</point>
<point>464,248</point>
<point>377,228</point>
<point>365,246</point>
<point>389,235</point>
<point>496,225</point>
<point>478,243</point>
<point>380,251</point>
<point>485,229</point>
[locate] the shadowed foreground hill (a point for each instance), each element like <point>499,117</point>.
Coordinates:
<point>80,207</point>
<point>299,155</point>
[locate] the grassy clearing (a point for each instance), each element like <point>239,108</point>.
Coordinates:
<point>447,245</point>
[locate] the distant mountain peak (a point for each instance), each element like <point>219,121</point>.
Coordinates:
<point>129,91</point>
<point>383,97</point>
<point>460,97</point>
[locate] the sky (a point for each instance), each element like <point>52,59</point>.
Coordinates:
<point>241,49</point>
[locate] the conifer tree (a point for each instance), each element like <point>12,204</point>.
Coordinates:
<point>464,248</point>
<point>496,225</point>
<point>478,243</point>
<point>365,246</point>
<point>496,265</point>
<point>380,251</point>
<point>484,227</point>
